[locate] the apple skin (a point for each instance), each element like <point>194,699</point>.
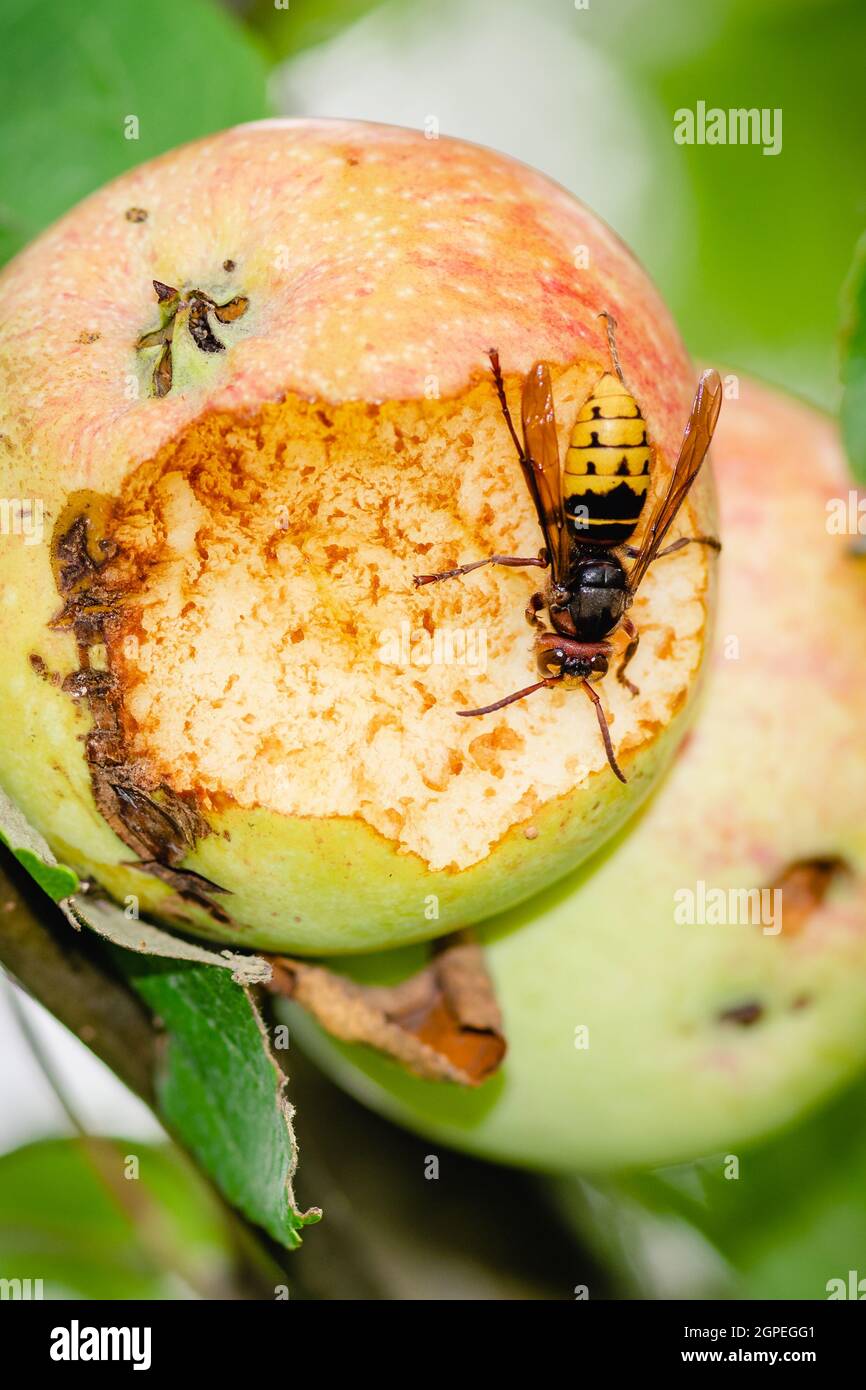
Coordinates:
<point>288,203</point>
<point>774,771</point>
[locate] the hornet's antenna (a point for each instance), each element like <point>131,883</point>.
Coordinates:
<point>611,341</point>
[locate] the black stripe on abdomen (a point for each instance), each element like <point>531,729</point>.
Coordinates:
<point>622,503</point>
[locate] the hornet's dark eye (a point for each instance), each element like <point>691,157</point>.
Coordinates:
<point>599,663</point>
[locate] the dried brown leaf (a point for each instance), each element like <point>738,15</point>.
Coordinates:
<point>443,1024</point>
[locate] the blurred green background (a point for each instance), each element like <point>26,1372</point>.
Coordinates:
<point>751,252</point>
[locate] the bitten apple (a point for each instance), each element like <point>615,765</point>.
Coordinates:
<point>246,390</point>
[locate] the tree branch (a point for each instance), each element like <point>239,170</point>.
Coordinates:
<point>66,972</point>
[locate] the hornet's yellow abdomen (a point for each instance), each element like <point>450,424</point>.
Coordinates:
<point>607,466</point>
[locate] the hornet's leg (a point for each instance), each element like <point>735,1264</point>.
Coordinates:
<point>605,731</point>
<point>534,607</point>
<point>510,699</point>
<point>627,656</point>
<point>514,560</point>
<point>712,541</point>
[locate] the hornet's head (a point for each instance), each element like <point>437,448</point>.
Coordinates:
<point>559,661</point>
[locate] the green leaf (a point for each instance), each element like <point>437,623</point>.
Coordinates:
<point>302,24</point>
<point>29,848</point>
<point>222,1091</point>
<point>72,76</point>
<point>853,411</point>
<point>161,1236</point>
<point>776,1220</point>
<point>795,1216</point>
